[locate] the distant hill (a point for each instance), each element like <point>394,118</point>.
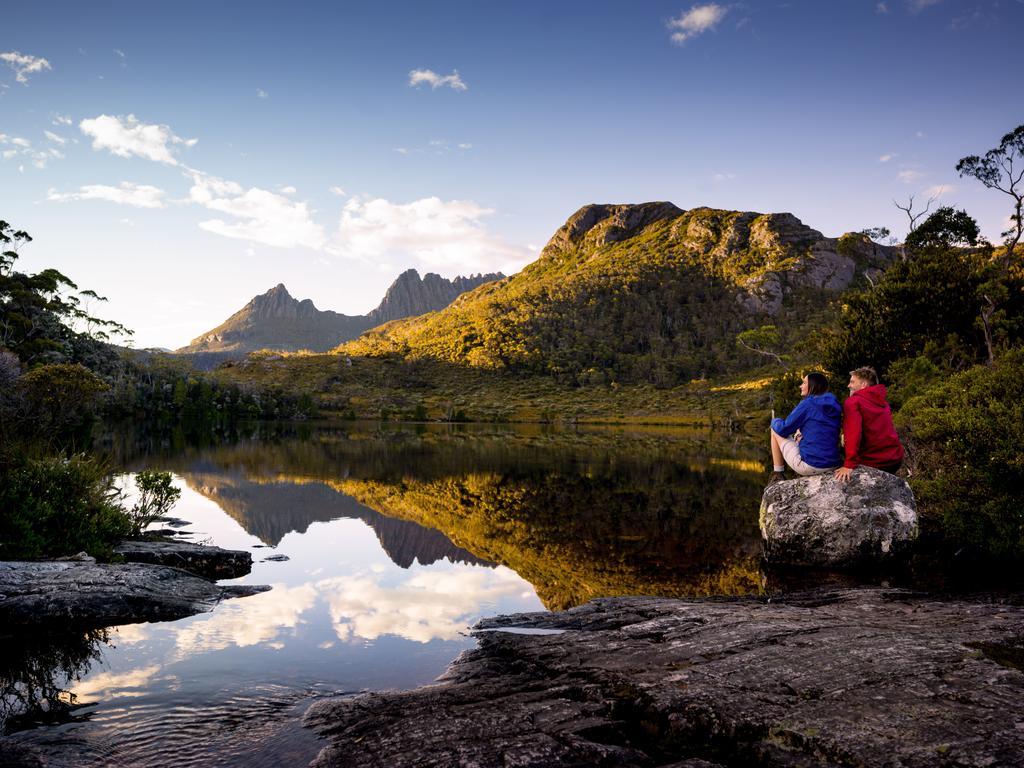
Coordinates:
<point>276,320</point>
<point>645,292</point>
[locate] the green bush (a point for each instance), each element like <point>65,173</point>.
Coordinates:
<point>967,435</point>
<point>50,507</point>
<point>156,497</point>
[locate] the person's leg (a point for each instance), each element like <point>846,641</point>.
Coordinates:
<point>778,462</point>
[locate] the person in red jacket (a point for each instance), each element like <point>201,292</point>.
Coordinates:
<point>869,435</point>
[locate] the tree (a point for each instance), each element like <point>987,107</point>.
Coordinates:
<point>38,312</point>
<point>761,340</point>
<point>945,229</point>
<point>1002,169</point>
<point>909,210</point>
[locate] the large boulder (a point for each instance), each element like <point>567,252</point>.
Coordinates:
<point>821,522</point>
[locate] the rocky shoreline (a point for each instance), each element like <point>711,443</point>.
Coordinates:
<point>162,580</point>
<point>850,677</point>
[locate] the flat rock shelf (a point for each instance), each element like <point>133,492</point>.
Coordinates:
<point>860,677</point>
<point>89,594</point>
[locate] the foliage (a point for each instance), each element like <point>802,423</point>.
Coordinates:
<point>157,495</point>
<point>945,229</point>
<point>60,397</point>
<point>967,430</point>
<point>916,302</point>
<point>38,312</point>
<point>53,506</point>
<point>996,170</point>
<point>763,341</point>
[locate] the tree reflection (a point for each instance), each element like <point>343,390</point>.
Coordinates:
<point>36,670</point>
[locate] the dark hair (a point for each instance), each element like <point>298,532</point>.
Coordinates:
<point>817,384</point>
<point>866,373</point>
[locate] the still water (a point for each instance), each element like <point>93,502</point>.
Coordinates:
<point>383,544</point>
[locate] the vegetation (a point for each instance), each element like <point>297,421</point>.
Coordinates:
<point>655,298</point>
<point>967,429</point>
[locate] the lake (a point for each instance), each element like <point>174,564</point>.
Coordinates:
<point>383,544</point>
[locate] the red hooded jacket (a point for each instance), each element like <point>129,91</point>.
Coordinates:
<point>868,432</point>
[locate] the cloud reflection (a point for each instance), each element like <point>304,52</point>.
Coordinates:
<point>257,619</point>
<point>431,605</point>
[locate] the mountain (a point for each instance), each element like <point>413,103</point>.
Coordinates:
<point>645,292</point>
<point>276,320</point>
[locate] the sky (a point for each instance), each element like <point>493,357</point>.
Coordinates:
<point>181,158</point>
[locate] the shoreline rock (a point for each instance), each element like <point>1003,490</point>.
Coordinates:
<point>85,593</point>
<point>200,559</point>
<point>818,521</point>
<point>852,677</point>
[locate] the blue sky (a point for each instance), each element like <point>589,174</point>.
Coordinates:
<point>180,160</point>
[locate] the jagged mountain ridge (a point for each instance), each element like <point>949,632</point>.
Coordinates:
<point>276,320</point>
<point>646,292</point>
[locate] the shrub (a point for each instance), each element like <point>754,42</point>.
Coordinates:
<point>55,506</point>
<point>967,436</point>
<point>156,497</point>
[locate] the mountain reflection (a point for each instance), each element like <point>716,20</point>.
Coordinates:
<point>577,515</point>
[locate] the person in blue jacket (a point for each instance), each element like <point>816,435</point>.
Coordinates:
<point>815,423</point>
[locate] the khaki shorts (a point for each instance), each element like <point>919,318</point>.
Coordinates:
<point>791,453</point>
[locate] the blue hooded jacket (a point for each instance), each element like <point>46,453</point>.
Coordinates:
<point>819,418</point>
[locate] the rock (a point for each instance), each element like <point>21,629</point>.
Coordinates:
<point>819,521</point>
<point>88,594</point>
<point>206,561</point>
<point>276,559</point>
<point>859,677</point>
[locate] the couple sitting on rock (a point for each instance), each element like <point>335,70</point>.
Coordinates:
<point>865,419</point>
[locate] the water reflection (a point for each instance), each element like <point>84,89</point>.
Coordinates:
<point>578,515</point>
<point>37,670</point>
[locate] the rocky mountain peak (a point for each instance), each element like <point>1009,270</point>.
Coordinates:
<point>412,295</point>
<point>600,224</point>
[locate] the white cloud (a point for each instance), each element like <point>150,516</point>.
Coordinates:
<point>260,216</point>
<point>724,176</point>
<point>437,232</point>
<point>909,175</point>
<point>887,157</point>
<point>402,150</point>
<point>24,65</point>
<point>699,19</point>
<point>916,6</point>
<point>55,138</point>
<point>60,119</point>
<point>920,135</point>
<point>288,190</point>
<point>137,195</point>
<point>939,190</point>
<point>23,148</point>
<point>430,605</point>
<point>465,145</point>
<point>126,136</point>
<point>454,80</point>
<point>337,191</point>
<point>261,94</point>
<point>882,8</point>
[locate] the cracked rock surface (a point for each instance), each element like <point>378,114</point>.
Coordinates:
<point>201,559</point>
<point>86,593</point>
<point>859,677</point>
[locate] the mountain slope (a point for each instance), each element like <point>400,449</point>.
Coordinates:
<point>643,292</point>
<point>276,320</point>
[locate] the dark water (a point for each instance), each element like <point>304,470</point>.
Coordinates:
<point>398,539</point>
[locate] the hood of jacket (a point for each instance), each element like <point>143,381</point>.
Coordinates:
<point>874,394</point>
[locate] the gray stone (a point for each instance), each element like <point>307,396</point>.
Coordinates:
<point>206,561</point>
<point>85,593</point>
<point>858,677</point>
<point>819,521</point>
